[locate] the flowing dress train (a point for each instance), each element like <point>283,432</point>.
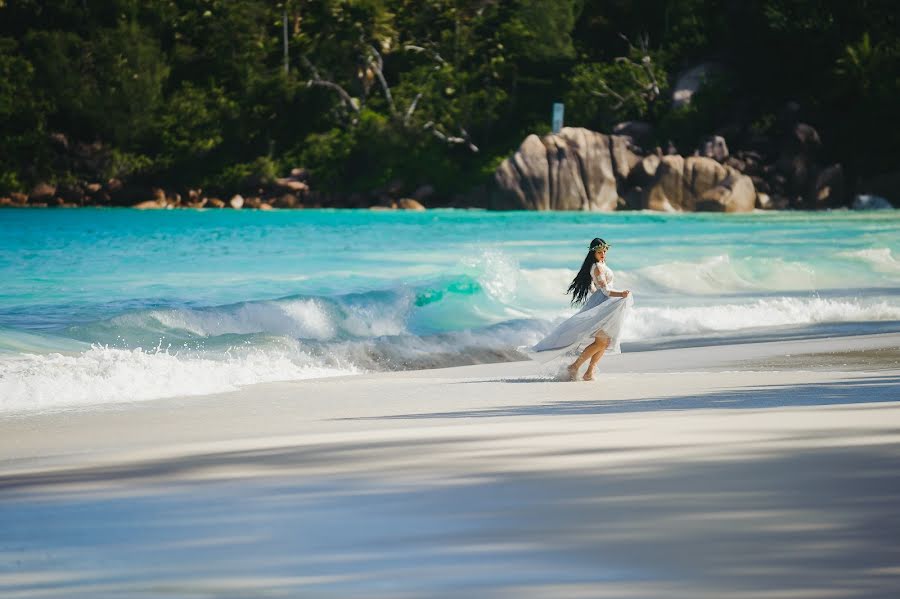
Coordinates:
<point>601,314</point>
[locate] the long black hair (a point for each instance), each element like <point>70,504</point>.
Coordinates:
<point>581,284</point>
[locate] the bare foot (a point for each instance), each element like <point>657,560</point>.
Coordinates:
<point>572,371</point>
<point>589,375</point>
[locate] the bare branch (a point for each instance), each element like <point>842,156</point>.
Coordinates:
<point>644,40</point>
<point>345,97</point>
<point>649,90</point>
<point>377,55</point>
<point>309,65</point>
<point>648,68</point>
<point>412,108</point>
<point>610,92</point>
<point>637,82</point>
<point>318,81</point>
<point>377,67</point>
<point>434,54</point>
<point>452,139</point>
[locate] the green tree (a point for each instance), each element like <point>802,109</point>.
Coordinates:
<point>627,88</point>
<point>22,124</point>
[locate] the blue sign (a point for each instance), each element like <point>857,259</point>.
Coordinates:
<point>557,116</point>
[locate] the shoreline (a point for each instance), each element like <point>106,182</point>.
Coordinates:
<point>690,473</point>
<point>385,209</point>
<point>691,352</point>
<point>61,428</point>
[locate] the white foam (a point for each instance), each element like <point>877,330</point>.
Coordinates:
<point>544,287</point>
<point>496,271</point>
<point>650,322</point>
<point>299,318</point>
<point>104,375</point>
<point>711,275</point>
<point>880,259</point>
<point>718,275</point>
<point>375,320</point>
<point>778,274</point>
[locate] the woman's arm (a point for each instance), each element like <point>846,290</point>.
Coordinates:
<point>602,281</point>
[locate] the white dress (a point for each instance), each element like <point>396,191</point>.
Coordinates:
<point>601,314</point>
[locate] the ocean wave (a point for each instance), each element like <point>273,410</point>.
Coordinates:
<point>480,311</point>
<point>481,290</point>
<point>103,375</point>
<point>655,322</point>
<point>451,303</point>
<point>226,362</point>
<point>304,317</point>
<point>14,342</point>
<point>880,259</point>
<point>721,275</point>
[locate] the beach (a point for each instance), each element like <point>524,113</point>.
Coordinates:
<point>747,470</point>
<point>294,298</point>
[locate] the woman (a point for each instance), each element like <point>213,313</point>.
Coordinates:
<point>599,320</point>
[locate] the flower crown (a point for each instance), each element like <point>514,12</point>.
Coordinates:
<point>600,246</point>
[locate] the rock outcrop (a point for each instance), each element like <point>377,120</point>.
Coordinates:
<point>640,133</point>
<point>579,169</point>
<point>714,147</point>
<point>798,178</point>
<point>410,204</point>
<point>150,205</point>
<point>42,192</point>
<point>870,202</point>
<point>886,185</point>
<point>576,169</point>
<point>698,184</point>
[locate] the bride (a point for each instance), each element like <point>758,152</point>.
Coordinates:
<point>599,320</point>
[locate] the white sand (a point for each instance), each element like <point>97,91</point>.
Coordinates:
<point>679,473</point>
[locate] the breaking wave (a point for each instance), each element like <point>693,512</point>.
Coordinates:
<point>479,316</point>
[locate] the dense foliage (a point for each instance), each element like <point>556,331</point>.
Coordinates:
<point>365,92</point>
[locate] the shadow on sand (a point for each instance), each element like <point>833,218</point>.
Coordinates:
<point>293,521</point>
<point>870,389</point>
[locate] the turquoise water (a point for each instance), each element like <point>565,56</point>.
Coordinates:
<point>112,305</point>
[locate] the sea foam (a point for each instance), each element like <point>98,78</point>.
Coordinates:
<point>226,362</point>
<point>880,259</point>
<point>663,321</point>
<point>103,375</point>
